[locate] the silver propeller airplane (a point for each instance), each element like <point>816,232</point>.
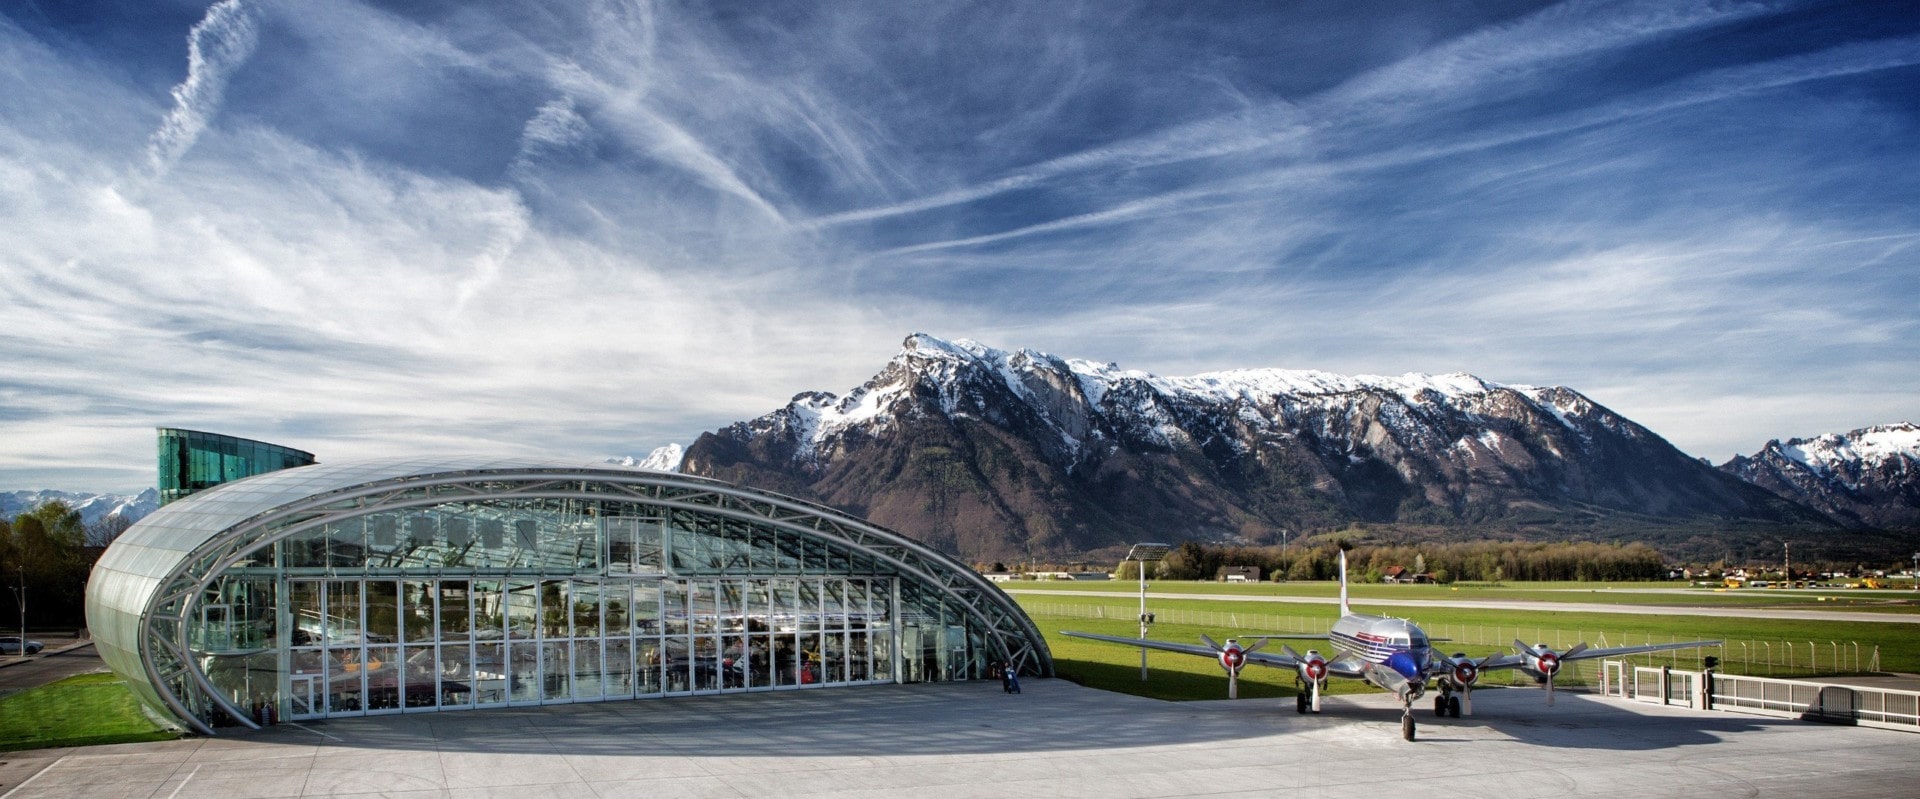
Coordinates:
<point>1388,653</point>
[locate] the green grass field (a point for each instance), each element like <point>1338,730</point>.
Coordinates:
<point>82,710</point>
<point>1666,593</point>
<point>1175,676</point>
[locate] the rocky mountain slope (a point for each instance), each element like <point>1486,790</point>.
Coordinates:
<point>1866,478</point>
<point>996,454</point>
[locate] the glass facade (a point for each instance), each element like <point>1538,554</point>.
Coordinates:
<point>191,460</point>
<point>488,587</point>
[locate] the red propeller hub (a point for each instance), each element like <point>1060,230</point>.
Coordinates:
<point>1465,673</point>
<point>1549,663</point>
<point>1316,669</point>
<point>1232,658</point>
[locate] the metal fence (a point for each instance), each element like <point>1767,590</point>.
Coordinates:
<point>1767,696</point>
<point>1772,658</point>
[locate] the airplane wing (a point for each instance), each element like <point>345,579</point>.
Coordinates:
<point>1166,646</point>
<point>1338,667</point>
<point>1520,659</point>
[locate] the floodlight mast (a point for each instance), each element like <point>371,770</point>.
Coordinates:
<point>1144,554</point>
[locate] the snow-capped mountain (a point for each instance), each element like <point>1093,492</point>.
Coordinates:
<point>92,507</point>
<point>1866,478</point>
<point>960,443</point>
<point>661,459</point>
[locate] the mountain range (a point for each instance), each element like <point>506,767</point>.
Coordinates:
<point>1009,454</point>
<point>995,454</point>
<point>93,508</point>
<point>1867,478</point>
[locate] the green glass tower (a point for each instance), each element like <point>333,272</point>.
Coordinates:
<point>191,460</point>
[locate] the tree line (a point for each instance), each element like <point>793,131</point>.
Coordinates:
<point>1484,561</point>
<point>46,554</point>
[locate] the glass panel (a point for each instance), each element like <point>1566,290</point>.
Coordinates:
<point>857,656</point>
<point>489,610</point>
<point>759,665</point>
<point>703,606</point>
<point>733,662</point>
<point>834,656</point>
<point>456,675</point>
<point>785,663</point>
<point>343,611</point>
<point>647,660</point>
<point>383,613</point>
<point>646,608</point>
<point>305,608</point>
<point>674,656</point>
<point>553,608</point>
<point>557,670</point>
<point>308,682</point>
<point>383,677</point>
<point>673,598</point>
<point>419,671</point>
<point>586,669</point>
<point>455,618</point>
<point>419,620</point>
<point>617,597</point>
<point>344,670</point>
<point>618,669</point>
<point>758,602</point>
<point>490,674</point>
<point>783,605</point>
<point>706,663</point>
<point>586,609</point>
<point>806,613</point>
<point>833,612</point>
<point>347,544</point>
<point>524,671</point>
<point>523,609</point>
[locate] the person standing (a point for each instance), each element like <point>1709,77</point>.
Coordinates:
<point>1011,679</point>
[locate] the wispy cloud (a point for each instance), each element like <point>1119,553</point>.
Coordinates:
<point>217,46</point>
<point>596,227</point>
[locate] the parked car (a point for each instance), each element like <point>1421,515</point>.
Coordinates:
<point>10,645</point>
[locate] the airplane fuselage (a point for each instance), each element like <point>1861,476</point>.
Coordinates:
<point>1390,653</point>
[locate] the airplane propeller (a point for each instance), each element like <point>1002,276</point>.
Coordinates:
<point>1546,662</point>
<point>1464,674</point>
<point>1232,658</point>
<point>1313,670</point>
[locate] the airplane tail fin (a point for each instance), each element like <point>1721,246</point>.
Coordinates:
<point>1345,609</point>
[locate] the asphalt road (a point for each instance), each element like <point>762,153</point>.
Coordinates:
<point>1564,607</point>
<point>48,667</point>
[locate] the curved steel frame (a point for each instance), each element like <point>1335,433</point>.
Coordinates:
<point>164,646</point>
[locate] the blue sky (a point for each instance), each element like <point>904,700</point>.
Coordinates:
<point>589,229</point>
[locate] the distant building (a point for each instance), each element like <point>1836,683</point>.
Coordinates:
<point>1240,574</point>
<point>191,460</point>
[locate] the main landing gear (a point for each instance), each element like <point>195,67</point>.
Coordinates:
<point>1446,704</point>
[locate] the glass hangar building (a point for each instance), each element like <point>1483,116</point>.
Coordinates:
<point>418,585</point>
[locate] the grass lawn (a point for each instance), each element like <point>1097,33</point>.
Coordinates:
<point>81,710</point>
<point>1658,593</point>
<point>1174,676</point>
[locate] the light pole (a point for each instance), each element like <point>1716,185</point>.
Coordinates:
<point>1916,582</point>
<point>1143,554</point>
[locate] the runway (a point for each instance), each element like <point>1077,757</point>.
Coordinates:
<point>971,740</point>
<point>1495,604</point>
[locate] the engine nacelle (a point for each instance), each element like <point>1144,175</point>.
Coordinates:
<point>1545,661</point>
<point>1313,667</point>
<point>1465,673</point>
<point>1232,657</point>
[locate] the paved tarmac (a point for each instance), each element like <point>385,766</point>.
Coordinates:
<point>970,740</point>
<point>1562,607</point>
<point>62,659</point>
